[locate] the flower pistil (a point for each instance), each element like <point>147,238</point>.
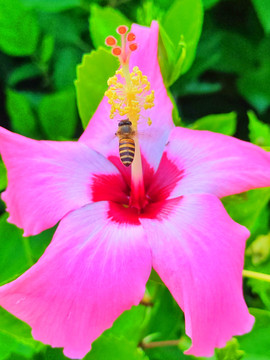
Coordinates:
<point>129,93</point>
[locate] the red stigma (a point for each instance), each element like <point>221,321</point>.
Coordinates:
<point>117,51</point>
<point>131,37</point>
<point>133,47</point>
<point>126,46</point>
<point>110,41</point>
<point>122,29</point>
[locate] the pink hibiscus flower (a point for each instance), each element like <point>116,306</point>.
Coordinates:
<point>117,222</point>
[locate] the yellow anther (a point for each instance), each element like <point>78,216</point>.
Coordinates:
<point>112,81</point>
<point>129,93</point>
<point>119,72</point>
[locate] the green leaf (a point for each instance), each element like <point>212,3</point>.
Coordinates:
<point>259,250</point>
<point>183,23</point>
<point>151,10</point>
<point>129,324</point>
<point>254,87</point>
<point>196,87</point>
<point>51,354</point>
<point>103,22</point>
<point>259,287</point>
<point>155,277</point>
<point>22,117</point>
<point>58,116</point>
<point>11,240</point>
<point>171,60</point>
<point>256,343</point>
<point>19,29</point>
<point>220,123</point>
<point>166,319</point>
<point>15,337</point>
<point>16,357</point>
<point>206,58</point>
<point>3,176</point>
<point>207,4</point>
<point>175,113</point>
<point>65,28</point>
<point>247,207</point>
<point>258,261</point>
<point>91,83</point>
<point>259,133</point>
<point>165,322</point>
<point>46,49</point>
<point>114,348</point>
<point>24,72</point>
<point>235,52</point>
<point>208,53</point>
<point>65,61</point>
<point>38,243</point>
<point>167,353</point>
<point>230,351</point>
<point>51,5</point>
<point>263,51</point>
<point>262,8</point>
<point>18,253</point>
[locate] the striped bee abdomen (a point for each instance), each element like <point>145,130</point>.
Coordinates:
<point>126,151</point>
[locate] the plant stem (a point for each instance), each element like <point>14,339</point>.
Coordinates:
<point>137,197</point>
<point>146,301</point>
<point>155,344</point>
<point>27,250</point>
<point>256,275</point>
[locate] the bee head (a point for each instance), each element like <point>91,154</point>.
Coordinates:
<point>125,122</point>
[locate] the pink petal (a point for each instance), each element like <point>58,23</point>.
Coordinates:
<point>214,163</point>
<point>100,133</point>
<point>198,251</point>
<point>47,179</point>
<point>93,270</point>
<point>164,180</point>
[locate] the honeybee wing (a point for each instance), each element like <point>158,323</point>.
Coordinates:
<point>144,132</point>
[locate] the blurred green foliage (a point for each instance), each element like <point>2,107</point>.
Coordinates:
<point>90,80</point>
<point>215,56</point>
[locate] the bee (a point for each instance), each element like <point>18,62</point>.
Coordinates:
<point>126,135</point>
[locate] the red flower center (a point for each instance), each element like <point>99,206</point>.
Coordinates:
<point>118,191</point>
